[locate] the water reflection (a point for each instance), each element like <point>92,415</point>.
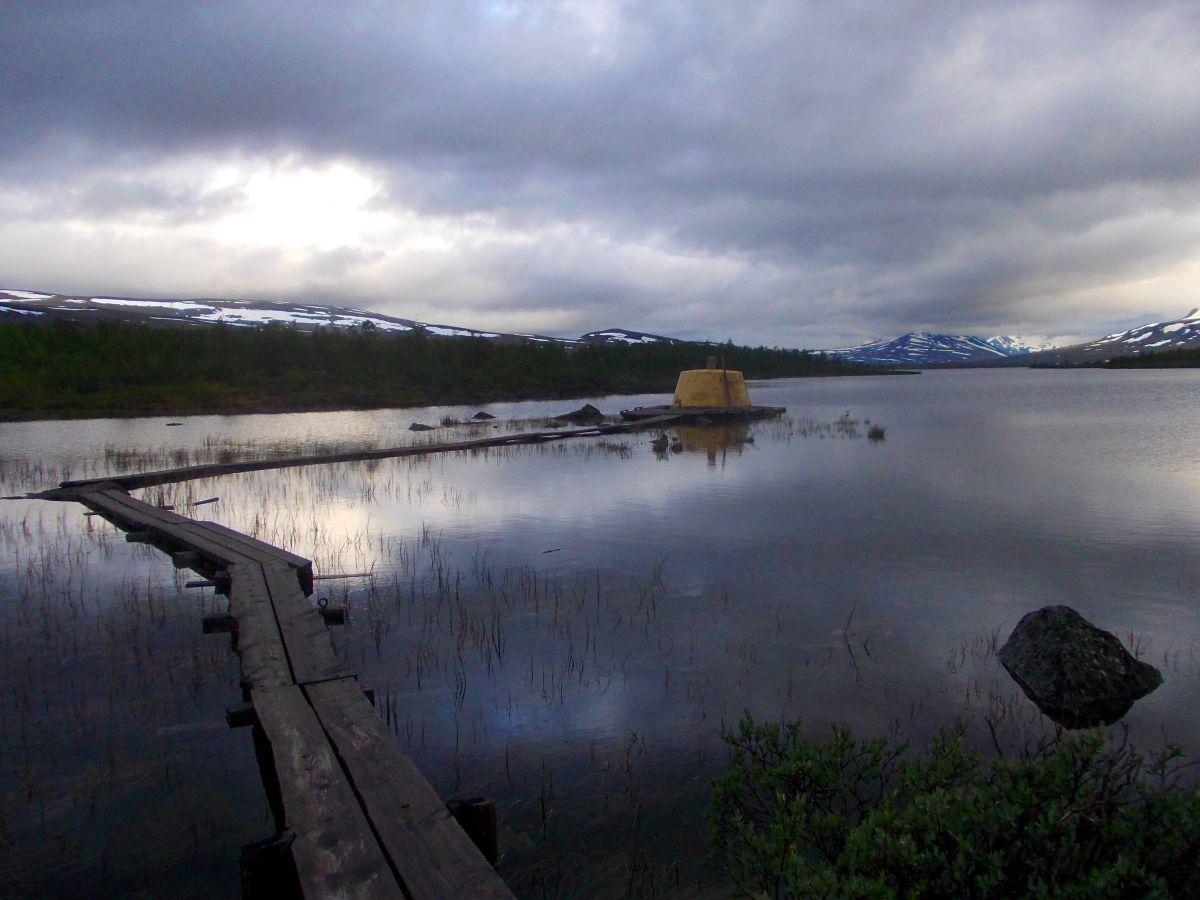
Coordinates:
<point>566,628</point>
<point>714,441</point>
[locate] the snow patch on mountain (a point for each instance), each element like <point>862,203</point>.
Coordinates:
<point>243,313</point>
<point>921,348</point>
<point>625,336</point>
<point>1012,346</point>
<point>1170,335</point>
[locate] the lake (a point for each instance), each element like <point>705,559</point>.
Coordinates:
<point>567,628</point>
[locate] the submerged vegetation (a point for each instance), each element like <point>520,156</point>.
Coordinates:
<point>68,369</point>
<point>847,818</point>
<point>524,647</point>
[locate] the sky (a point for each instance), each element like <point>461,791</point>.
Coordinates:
<point>792,174</point>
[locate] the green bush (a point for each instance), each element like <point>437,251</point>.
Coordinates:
<point>847,818</point>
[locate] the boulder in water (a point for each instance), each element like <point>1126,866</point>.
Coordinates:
<point>585,415</point>
<point>1077,674</point>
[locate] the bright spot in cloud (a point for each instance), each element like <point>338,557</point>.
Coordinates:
<point>298,206</point>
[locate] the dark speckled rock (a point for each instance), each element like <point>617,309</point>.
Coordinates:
<point>585,415</point>
<point>1076,673</point>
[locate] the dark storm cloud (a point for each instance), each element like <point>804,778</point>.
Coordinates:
<point>805,172</point>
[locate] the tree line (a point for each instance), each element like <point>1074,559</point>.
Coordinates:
<point>67,368</point>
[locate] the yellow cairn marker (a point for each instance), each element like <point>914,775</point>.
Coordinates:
<point>711,387</point>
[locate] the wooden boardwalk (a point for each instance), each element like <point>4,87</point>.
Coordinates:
<point>645,415</point>
<point>355,816</point>
<point>210,470</point>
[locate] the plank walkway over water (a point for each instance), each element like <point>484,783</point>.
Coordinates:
<point>647,415</point>
<point>209,470</point>
<point>361,819</point>
<point>357,817</point>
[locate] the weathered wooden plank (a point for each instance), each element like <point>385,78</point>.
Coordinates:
<point>335,852</point>
<point>260,647</point>
<point>366,823</point>
<point>170,529</point>
<point>260,550</point>
<point>305,637</point>
<point>124,504</point>
<point>651,415</point>
<point>120,514</point>
<point>187,473</point>
<point>429,850</point>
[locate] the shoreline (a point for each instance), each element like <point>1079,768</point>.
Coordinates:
<point>8,416</point>
<point>271,409</point>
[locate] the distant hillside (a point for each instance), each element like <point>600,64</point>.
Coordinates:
<point>36,306</point>
<point>625,336</point>
<point>31,305</point>
<point>1184,358</point>
<point>921,348</point>
<point>1155,339</point>
<point>108,367</point>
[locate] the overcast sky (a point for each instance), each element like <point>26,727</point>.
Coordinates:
<point>795,174</point>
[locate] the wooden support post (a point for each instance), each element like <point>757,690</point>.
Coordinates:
<point>186,559</point>
<point>477,817</point>
<point>267,869</point>
<point>333,615</point>
<point>241,715</point>
<point>221,624</point>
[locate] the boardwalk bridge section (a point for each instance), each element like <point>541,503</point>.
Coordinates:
<point>355,818</point>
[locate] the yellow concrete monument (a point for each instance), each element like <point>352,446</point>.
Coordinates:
<point>711,387</point>
<point>705,396</point>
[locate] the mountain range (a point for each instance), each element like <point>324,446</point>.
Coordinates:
<point>921,348</point>
<point>916,349</point>
<point>1156,337</point>
<point>58,307</point>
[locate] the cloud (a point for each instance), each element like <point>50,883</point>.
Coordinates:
<point>790,173</point>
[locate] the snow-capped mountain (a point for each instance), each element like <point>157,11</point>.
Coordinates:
<point>35,305</point>
<point>923,349</point>
<point>1014,346</point>
<point>1155,337</point>
<point>625,336</point>
<point>920,348</point>
<point>914,349</point>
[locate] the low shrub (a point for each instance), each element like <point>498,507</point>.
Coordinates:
<point>847,818</point>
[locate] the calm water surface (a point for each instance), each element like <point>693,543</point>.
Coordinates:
<point>567,628</point>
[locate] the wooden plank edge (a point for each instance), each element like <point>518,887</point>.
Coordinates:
<point>432,854</point>
<point>306,640</point>
<point>335,850</point>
